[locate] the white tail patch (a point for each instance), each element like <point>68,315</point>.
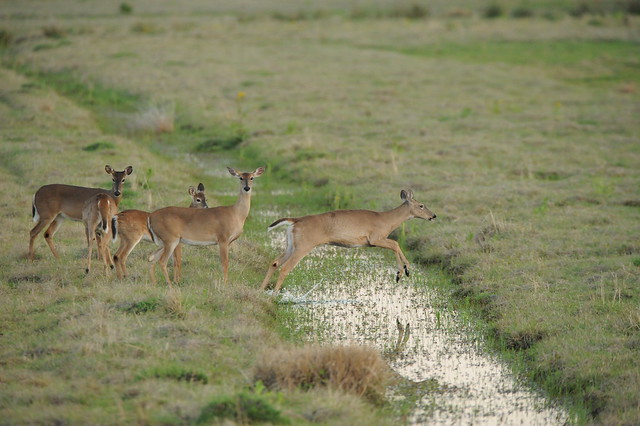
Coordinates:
<point>36,215</point>
<point>282,222</point>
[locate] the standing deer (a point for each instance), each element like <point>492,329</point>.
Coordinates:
<point>221,225</point>
<point>52,203</point>
<point>345,228</point>
<point>131,228</point>
<point>97,213</point>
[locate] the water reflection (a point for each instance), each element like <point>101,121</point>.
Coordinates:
<point>359,301</point>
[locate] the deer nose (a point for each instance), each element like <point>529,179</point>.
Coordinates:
<point>433,217</point>
<point>116,193</point>
<point>247,189</point>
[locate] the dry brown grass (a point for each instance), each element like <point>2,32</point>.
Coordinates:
<point>356,369</point>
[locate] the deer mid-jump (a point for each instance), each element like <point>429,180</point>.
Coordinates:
<point>345,228</point>
<point>220,225</point>
<point>131,228</point>
<point>52,203</point>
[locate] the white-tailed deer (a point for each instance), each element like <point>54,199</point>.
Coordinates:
<point>97,213</point>
<point>345,228</point>
<point>221,225</point>
<point>131,228</point>
<point>52,203</point>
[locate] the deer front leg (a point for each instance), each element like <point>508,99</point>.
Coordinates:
<point>224,259</point>
<point>403,263</point>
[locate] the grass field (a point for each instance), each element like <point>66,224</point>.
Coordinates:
<point>521,134</point>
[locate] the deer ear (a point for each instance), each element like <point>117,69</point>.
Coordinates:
<point>409,194</point>
<point>108,169</point>
<point>232,171</point>
<point>200,187</point>
<point>403,195</point>
<point>258,171</point>
<point>129,170</point>
<point>192,191</point>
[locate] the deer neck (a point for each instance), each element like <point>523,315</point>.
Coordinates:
<point>394,218</point>
<point>243,204</point>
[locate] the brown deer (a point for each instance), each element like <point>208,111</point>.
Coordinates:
<point>53,203</point>
<point>131,228</point>
<point>97,214</point>
<point>220,225</point>
<point>345,228</point>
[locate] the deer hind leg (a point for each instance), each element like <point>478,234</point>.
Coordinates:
<point>280,260</point>
<point>177,263</point>
<point>42,223</point>
<point>122,254</point>
<point>89,229</point>
<point>103,245</point>
<point>164,258</point>
<point>290,263</point>
<point>50,232</point>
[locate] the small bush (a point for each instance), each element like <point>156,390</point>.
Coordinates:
<point>413,11</point>
<point>126,8</point>
<point>633,7</point>
<point>355,369</point>
<point>143,306</point>
<point>6,38</point>
<point>493,11</point>
<point>175,373</point>
<point>97,146</point>
<point>145,28</point>
<point>242,408</point>
<point>521,12</point>
<point>54,31</point>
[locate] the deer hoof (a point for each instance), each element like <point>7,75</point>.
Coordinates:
<point>406,270</point>
<point>86,271</point>
<point>398,275</point>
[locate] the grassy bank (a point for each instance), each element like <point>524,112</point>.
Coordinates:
<point>529,159</point>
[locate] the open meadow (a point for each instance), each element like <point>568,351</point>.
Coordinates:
<point>518,126</point>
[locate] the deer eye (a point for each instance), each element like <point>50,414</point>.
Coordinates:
<point>198,200</point>
<point>123,180</point>
<point>251,179</point>
<point>422,206</point>
<point>114,179</point>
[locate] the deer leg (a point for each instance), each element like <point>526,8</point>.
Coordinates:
<point>90,234</point>
<point>164,258</point>
<point>272,268</point>
<point>177,263</point>
<point>403,263</point>
<point>42,223</point>
<point>50,232</point>
<point>224,260</point>
<point>289,264</point>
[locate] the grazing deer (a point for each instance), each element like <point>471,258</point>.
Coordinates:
<point>345,228</point>
<point>97,213</point>
<point>131,228</point>
<point>221,225</point>
<point>52,203</point>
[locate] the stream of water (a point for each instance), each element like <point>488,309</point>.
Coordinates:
<point>358,301</point>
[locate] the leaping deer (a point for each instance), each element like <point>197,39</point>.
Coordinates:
<point>131,228</point>
<point>345,228</point>
<point>52,203</point>
<point>220,225</point>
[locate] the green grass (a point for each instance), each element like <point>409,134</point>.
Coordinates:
<point>522,135</point>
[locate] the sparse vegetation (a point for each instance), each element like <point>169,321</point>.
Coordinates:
<point>354,369</point>
<point>528,124</point>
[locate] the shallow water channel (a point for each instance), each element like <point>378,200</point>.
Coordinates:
<point>358,301</point>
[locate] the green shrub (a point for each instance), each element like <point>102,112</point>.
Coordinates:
<point>140,307</point>
<point>242,408</point>
<point>97,146</point>
<point>5,38</point>
<point>126,8</point>
<point>493,11</point>
<point>521,12</point>
<point>174,372</point>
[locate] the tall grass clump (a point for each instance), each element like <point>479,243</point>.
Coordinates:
<point>355,369</point>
